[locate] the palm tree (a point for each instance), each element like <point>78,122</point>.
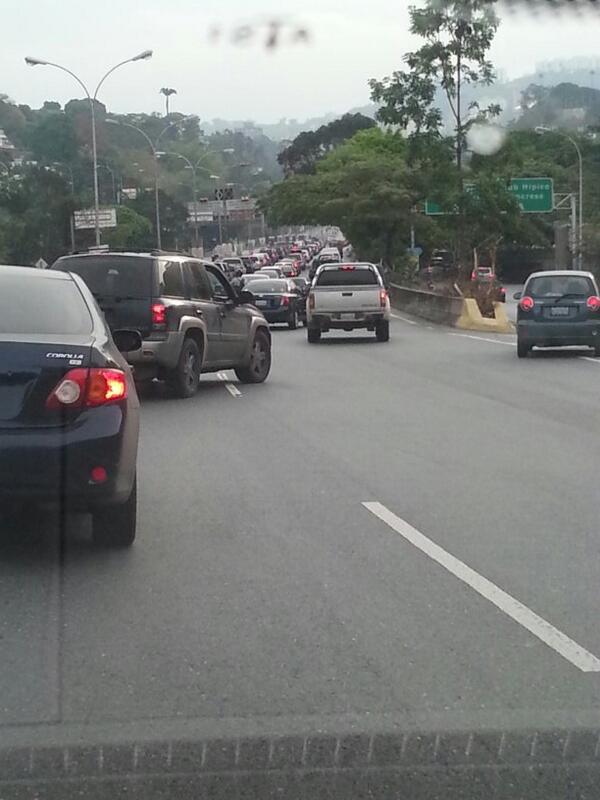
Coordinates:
<point>167,93</point>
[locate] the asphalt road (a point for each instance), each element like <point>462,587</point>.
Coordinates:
<point>263,596</point>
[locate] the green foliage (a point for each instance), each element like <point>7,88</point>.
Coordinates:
<point>133,231</point>
<point>34,214</point>
<point>457,35</point>
<point>309,147</point>
<point>366,187</point>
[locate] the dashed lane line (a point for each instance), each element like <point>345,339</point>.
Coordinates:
<point>524,616</point>
<point>233,390</point>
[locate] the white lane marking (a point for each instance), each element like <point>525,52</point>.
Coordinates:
<point>233,390</point>
<point>514,344</point>
<point>547,633</point>
<point>404,319</point>
<point>589,358</point>
<point>222,376</point>
<point>483,339</point>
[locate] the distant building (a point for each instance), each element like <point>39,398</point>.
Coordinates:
<point>5,142</point>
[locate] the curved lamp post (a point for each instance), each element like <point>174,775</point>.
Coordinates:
<point>34,62</point>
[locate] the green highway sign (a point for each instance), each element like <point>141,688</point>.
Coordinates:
<point>534,195</point>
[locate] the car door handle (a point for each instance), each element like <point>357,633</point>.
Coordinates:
<point>198,312</point>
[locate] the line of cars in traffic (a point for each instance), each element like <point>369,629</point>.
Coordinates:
<point>77,340</point>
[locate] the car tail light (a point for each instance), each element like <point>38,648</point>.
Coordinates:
<point>98,475</point>
<point>311,300</point>
<point>593,303</point>
<point>526,303</point>
<point>473,275</point>
<point>383,297</point>
<point>88,388</point>
<point>347,268</point>
<point>285,301</point>
<point>159,315</point>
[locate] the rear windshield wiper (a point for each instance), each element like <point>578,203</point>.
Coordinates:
<point>568,294</point>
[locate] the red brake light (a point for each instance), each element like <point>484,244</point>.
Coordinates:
<point>383,296</point>
<point>526,303</point>
<point>593,303</point>
<point>347,268</point>
<point>88,388</point>
<point>106,386</point>
<point>285,301</point>
<point>311,300</point>
<point>159,314</point>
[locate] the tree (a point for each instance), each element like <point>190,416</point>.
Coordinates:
<point>167,92</point>
<point>366,187</point>
<point>308,147</point>
<point>133,231</point>
<point>458,35</point>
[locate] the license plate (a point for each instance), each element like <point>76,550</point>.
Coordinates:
<point>559,311</point>
<point>261,302</point>
<point>347,316</point>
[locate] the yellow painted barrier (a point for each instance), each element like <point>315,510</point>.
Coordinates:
<point>472,320</point>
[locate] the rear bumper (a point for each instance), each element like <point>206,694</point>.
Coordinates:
<point>155,354</point>
<point>53,465</point>
<point>275,315</point>
<point>336,322</point>
<point>548,333</point>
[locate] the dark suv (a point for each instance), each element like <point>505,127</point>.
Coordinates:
<point>190,318</point>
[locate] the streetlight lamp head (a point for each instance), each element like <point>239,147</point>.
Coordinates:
<point>229,149</point>
<point>215,177</point>
<point>541,129</point>
<point>161,153</point>
<point>143,56</point>
<point>112,122</point>
<point>34,62</point>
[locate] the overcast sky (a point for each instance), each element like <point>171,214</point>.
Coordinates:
<point>351,41</point>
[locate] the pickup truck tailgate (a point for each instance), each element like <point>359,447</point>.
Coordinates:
<point>338,299</point>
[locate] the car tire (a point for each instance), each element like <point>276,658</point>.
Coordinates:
<point>115,525</point>
<point>293,321</point>
<point>522,349</point>
<point>382,331</point>
<point>313,334</point>
<point>259,367</point>
<point>184,379</point>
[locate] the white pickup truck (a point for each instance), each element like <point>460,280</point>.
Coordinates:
<point>345,297</point>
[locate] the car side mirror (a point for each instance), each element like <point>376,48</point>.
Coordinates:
<point>127,341</point>
<point>245,297</point>
<point>517,295</point>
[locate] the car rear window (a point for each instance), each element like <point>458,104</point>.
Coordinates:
<point>557,285</point>
<point>269,287</point>
<point>43,306</point>
<point>113,276</point>
<point>347,277</point>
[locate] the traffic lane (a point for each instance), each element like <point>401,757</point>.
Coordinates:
<point>290,563</point>
<point>30,629</point>
<point>489,467</point>
<point>175,628</point>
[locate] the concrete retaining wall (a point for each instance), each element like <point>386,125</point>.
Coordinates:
<point>456,312</point>
<point>434,307</point>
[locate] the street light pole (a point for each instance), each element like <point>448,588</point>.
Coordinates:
<point>33,62</point>
<point>154,149</point>
<point>542,129</point>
